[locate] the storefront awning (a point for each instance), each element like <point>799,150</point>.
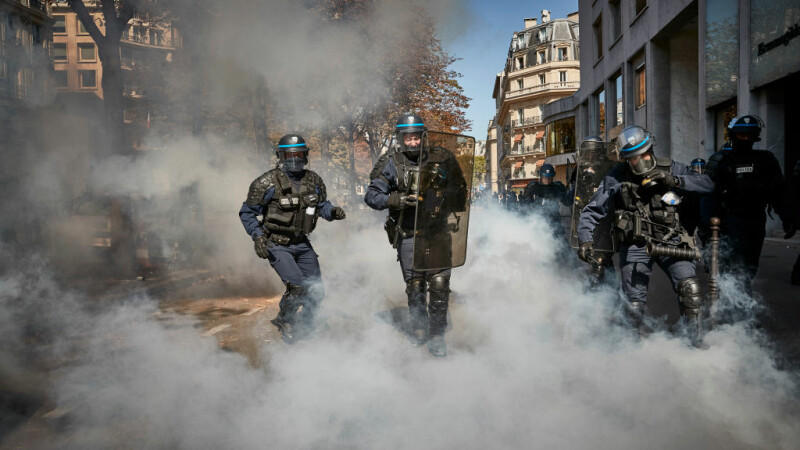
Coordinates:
<point>519,184</point>
<point>517,165</point>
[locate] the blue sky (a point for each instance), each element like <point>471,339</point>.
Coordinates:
<point>483,48</point>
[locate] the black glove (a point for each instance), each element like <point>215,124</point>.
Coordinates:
<point>263,244</point>
<point>400,201</point>
<point>338,213</point>
<point>586,252</point>
<point>790,229</point>
<point>660,176</point>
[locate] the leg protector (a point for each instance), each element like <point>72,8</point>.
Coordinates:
<point>417,307</point>
<point>691,300</point>
<point>439,288</point>
<point>290,303</point>
<point>636,312</point>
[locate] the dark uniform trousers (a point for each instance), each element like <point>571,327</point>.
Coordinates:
<point>436,309</point>
<point>298,266</point>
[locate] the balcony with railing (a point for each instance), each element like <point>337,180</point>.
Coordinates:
<point>543,87</point>
<point>526,121</point>
<point>522,150</point>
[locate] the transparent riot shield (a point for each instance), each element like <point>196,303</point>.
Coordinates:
<point>442,213</point>
<point>591,166</point>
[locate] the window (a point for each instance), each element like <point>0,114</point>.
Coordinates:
<point>60,25</point>
<point>616,19</point>
<point>597,27</point>
<point>639,6</point>
<point>542,35</point>
<point>560,136</point>
<point>520,114</point>
<point>59,52</point>
<point>519,84</point>
<point>599,112</point>
<point>88,78</point>
<point>640,85</point>
<point>618,110</point>
<point>155,37</point>
<point>86,52</point>
<point>520,63</point>
<point>562,54</point>
<point>541,79</point>
<point>81,28</point>
<point>61,78</point>
<point>541,57</point>
<point>562,76</point>
<point>520,41</point>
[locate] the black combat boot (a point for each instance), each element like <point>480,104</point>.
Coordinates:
<point>691,300</point>
<point>437,309</point>
<point>636,313</point>
<point>290,303</point>
<point>417,311</point>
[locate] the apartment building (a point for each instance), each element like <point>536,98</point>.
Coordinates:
<point>683,68</point>
<point>542,66</point>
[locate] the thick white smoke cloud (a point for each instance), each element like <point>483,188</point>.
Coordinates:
<point>533,362</point>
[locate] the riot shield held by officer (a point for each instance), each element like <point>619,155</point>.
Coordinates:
<point>748,183</point>
<point>290,198</point>
<point>643,194</point>
<point>424,188</point>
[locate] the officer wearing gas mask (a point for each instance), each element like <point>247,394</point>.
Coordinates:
<point>395,186</point>
<point>290,198</point>
<point>545,196</point>
<point>748,183</point>
<point>644,195</point>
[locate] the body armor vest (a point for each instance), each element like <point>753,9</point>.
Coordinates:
<point>745,180</point>
<point>292,211</point>
<point>647,211</point>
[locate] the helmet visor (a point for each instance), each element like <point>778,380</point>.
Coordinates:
<point>292,153</point>
<point>642,164</point>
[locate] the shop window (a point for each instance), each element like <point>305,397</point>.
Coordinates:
<point>561,136</point>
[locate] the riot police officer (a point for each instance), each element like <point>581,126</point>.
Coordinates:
<point>747,182</point>
<point>794,205</point>
<point>643,194</point>
<point>545,196</point>
<point>395,186</point>
<point>698,165</point>
<point>290,198</point>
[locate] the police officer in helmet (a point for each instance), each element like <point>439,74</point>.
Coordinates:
<point>646,190</point>
<point>545,197</point>
<point>290,198</point>
<point>394,186</point>
<point>698,165</point>
<point>748,183</point>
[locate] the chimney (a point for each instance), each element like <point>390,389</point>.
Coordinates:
<point>530,22</point>
<point>545,15</point>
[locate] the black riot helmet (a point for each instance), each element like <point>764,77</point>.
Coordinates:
<point>744,131</point>
<point>546,174</point>
<point>409,124</point>
<point>698,165</point>
<point>634,141</point>
<point>292,152</point>
<point>592,148</point>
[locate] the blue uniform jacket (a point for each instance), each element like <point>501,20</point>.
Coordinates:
<point>248,214</point>
<point>602,202</point>
<point>377,196</point>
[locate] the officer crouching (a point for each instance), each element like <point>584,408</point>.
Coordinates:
<point>290,198</point>
<point>644,194</point>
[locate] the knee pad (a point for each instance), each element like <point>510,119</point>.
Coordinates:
<point>690,293</point>
<point>415,286</point>
<point>295,290</point>
<point>439,287</point>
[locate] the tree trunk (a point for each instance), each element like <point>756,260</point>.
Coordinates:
<point>112,95</point>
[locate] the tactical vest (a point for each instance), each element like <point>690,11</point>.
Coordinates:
<point>406,182</point>
<point>642,211</point>
<point>745,180</point>
<point>292,212</point>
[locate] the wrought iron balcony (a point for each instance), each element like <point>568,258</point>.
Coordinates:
<point>533,120</point>
<point>544,87</point>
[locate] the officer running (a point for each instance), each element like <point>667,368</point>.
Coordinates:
<point>643,193</point>
<point>394,185</point>
<point>748,183</point>
<point>290,198</point>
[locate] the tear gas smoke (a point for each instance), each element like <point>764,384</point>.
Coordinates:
<point>533,362</point>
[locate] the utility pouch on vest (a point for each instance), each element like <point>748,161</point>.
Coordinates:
<point>310,202</point>
<point>280,239</point>
<point>278,215</point>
